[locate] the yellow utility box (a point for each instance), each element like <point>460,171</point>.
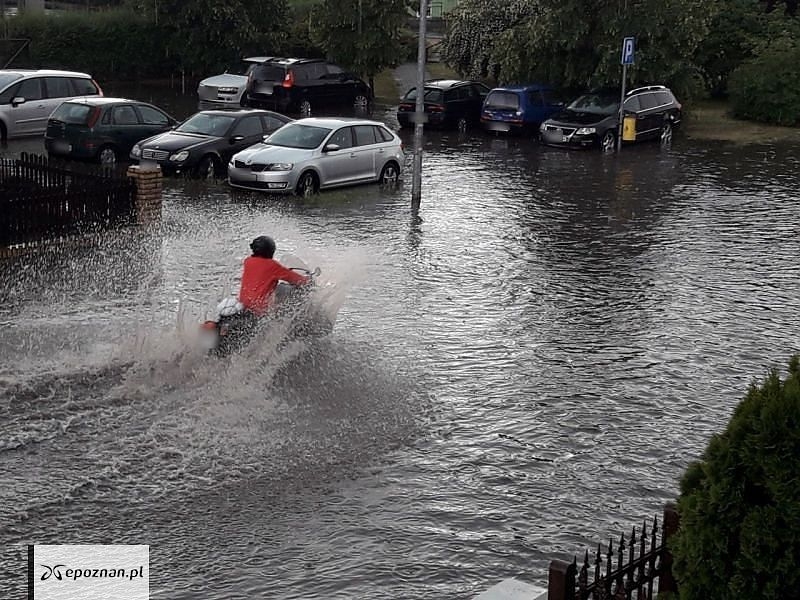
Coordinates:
<point>629,128</point>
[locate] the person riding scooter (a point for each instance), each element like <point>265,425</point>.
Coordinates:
<point>260,276</point>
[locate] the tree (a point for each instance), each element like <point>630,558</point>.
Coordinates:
<point>564,42</point>
<point>206,35</point>
<point>473,28</point>
<point>364,36</point>
<point>739,507</point>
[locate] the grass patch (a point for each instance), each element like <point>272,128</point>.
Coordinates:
<point>439,70</point>
<point>386,90</point>
<point>711,120</point>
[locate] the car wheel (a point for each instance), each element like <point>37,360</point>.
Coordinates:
<point>390,174</point>
<point>207,169</point>
<point>307,185</point>
<point>666,133</point>
<point>462,125</point>
<point>361,103</point>
<point>107,156</point>
<point>608,142</point>
<point>305,108</point>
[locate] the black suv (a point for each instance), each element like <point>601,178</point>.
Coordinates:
<point>302,84</point>
<point>449,103</point>
<point>593,119</point>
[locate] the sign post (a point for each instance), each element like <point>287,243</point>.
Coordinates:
<point>628,50</point>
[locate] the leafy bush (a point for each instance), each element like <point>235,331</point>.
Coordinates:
<point>740,506</point>
<point>115,44</point>
<point>767,87</point>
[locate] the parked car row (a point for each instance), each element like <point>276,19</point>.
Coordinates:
<point>293,85</point>
<point>265,150</point>
<point>591,120</point>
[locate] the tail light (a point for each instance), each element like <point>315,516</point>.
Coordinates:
<point>406,106</point>
<point>209,325</point>
<point>99,89</point>
<point>94,115</point>
<point>288,81</point>
<point>436,108</point>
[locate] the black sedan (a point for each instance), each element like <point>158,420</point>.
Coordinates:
<point>203,144</point>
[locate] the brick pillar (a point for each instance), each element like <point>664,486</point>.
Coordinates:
<point>147,201</point>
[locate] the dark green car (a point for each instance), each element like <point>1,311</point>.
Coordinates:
<point>102,129</point>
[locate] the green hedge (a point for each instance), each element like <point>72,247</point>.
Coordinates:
<point>109,45</point>
<point>739,508</point>
<point>767,87</point>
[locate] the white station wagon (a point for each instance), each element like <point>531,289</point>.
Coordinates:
<point>311,154</point>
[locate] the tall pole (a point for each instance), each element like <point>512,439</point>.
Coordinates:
<point>419,113</point>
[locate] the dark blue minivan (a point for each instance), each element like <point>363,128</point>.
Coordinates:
<point>520,108</point>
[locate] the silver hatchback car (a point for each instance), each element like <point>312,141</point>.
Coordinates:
<point>311,154</point>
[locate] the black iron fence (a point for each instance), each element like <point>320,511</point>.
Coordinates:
<point>40,200</point>
<point>637,568</point>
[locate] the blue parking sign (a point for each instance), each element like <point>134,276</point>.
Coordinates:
<point>627,51</point>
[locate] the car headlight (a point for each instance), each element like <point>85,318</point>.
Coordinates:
<point>228,90</point>
<point>542,127</point>
<point>136,151</point>
<point>585,131</point>
<point>180,156</point>
<point>279,167</point>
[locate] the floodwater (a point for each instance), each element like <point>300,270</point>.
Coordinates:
<point>521,373</point>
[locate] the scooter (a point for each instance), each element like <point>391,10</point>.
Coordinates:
<point>232,327</point>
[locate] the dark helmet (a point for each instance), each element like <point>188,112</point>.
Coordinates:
<point>263,246</point>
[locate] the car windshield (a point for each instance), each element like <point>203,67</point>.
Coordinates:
<point>6,78</point>
<point>502,100</point>
<point>295,135</point>
<point>431,94</point>
<point>70,112</point>
<point>207,124</point>
<point>596,104</point>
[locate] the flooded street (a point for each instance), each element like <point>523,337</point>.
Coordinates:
<point>521,374</point>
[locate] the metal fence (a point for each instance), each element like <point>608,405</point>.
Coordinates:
<point>637,568</point>
<point>41,201</point>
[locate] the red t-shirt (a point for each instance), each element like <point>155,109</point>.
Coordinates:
<point>259,280</point>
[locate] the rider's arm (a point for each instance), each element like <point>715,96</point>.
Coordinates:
<point>293,277</point>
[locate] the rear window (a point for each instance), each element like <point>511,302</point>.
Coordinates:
<point>269,73</point>
<point>431,95</point>
<point>84,87</point>
<point>69,112</point>
<point>664,98</point>
<point>502,100</point>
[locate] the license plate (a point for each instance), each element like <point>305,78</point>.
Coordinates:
<point>208,339</point>
<point>62,146</point>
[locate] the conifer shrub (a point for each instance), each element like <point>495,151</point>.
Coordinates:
<point>739,506</point>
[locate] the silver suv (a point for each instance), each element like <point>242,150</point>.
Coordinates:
<point>27,98</point>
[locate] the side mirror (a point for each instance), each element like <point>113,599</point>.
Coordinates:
<point>316,272</point>
<point>17,100</point>
<point>265,137</point>
<point>236,139</point>
<point>331,148</point>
